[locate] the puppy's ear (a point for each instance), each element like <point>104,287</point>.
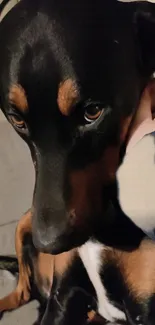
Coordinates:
<point>145,28</point>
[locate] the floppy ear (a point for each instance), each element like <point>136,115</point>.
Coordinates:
<point>145,26</point>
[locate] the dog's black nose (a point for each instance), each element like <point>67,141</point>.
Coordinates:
<point>52,237</point>
<point>50,241</point>
<point>42,240</point>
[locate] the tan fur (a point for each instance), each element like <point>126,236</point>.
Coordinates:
<point>44,270</point>
<point>137,268</point>
<point>21,294</point>
<point>17,97</point>
<point>63,261</point>
<point>68,95</point>
<point>44,267</point>
<point>91,315</point>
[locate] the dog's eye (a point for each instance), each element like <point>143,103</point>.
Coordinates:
<point>18,123</point>
<point>92,112</point>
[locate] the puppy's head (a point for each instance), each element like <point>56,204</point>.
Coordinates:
<point>70,110</point>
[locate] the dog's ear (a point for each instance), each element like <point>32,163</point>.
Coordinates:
<point>145,29</point>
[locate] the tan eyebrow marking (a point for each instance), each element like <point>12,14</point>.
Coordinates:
<point>17,97</point>
<point>68,95</point>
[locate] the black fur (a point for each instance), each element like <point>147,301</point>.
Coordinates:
<point>107,49</point>
<point>101,46</point>
<point>9,263</point>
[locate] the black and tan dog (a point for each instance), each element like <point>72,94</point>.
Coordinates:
<point>71,74</point>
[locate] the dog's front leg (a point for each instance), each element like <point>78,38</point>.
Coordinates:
<point>72,296</point>
<point>21,294</point>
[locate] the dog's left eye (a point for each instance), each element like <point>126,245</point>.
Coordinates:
<point>18,123</point>
<point>92,112</point>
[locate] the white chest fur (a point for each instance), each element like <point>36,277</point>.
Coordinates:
<point>90,254</point>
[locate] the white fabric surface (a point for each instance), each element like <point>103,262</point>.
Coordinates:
<point>136,184</point>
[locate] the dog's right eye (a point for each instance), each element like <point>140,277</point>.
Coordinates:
<point>92,112</point>
<point>18,123</point>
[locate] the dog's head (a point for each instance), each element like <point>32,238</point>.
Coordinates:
<point>66,85</point>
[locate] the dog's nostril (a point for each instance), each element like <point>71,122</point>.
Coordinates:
<point>37,241</point>
<point>72,217</point>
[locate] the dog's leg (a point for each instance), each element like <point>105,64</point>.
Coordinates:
<point>42,266</point>
<point>72,294</point>
<point>21,294</point>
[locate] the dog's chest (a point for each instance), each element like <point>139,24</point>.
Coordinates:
<point>90,254</point>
